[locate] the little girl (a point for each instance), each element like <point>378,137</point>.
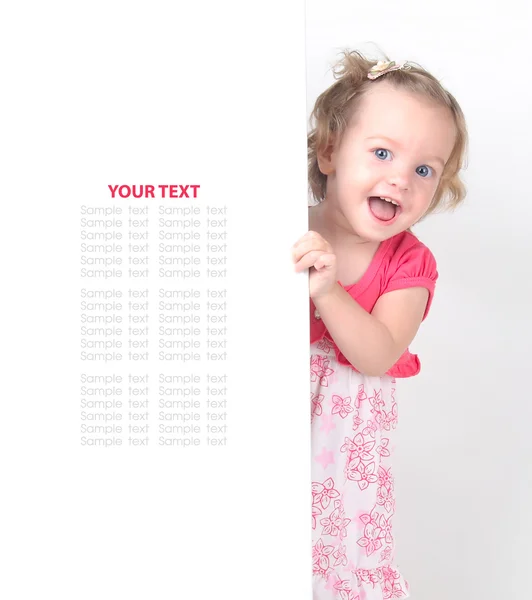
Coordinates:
<point>386,149</point>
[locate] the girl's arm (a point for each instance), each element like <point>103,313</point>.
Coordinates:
<point>374,342</point>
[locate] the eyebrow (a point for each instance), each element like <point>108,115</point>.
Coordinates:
<point>393,142</point>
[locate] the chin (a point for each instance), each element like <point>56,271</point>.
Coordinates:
<point>378,236</point>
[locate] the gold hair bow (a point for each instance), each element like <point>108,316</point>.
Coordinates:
<point>386,66</point>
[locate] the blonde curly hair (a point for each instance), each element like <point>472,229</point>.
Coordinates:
<point>339,102</point>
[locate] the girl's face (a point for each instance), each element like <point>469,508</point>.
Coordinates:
<point>395,147</point>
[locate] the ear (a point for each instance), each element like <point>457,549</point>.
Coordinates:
<point>326,158</point>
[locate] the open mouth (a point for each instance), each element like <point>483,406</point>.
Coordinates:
<point>385,210</point>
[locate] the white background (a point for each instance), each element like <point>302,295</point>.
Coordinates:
<point>214,92</point>
<point>163,93</point>
<point>464,484</point>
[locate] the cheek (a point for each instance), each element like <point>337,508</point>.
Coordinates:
<point>356,176</point>
<point>424,201</point>
<point>426,190</point>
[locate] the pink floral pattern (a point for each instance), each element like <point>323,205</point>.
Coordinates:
<point>326,345</point>
<point>357,421</point>
<point>322,493</point>
<point>320,370</point>
<point>353,502</point>
<point>342,406</point>
<point>336,523</point>
<point>316,400</point>
<point>320,557</point>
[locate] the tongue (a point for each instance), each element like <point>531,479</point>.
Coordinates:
<point>385,211</point>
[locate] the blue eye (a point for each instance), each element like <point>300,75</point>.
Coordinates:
<point>424,171</point>
<point>382,154</point>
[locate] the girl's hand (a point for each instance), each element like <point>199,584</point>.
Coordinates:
<point>315,253</point>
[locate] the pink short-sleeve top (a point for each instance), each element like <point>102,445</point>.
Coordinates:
<point>400,262</point>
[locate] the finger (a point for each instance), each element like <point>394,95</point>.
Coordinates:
<point>319,240</point>
<point>325,261</point>
<point>311,236</point>
<point>308,260</point>
<point>310,245</point>
<point>301,239</point>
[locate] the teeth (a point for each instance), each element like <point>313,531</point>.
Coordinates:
<point>389,200</point>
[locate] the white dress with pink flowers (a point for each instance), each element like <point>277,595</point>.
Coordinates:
<point>353,503</point>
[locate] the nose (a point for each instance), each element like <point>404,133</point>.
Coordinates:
<point>400,179</point>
